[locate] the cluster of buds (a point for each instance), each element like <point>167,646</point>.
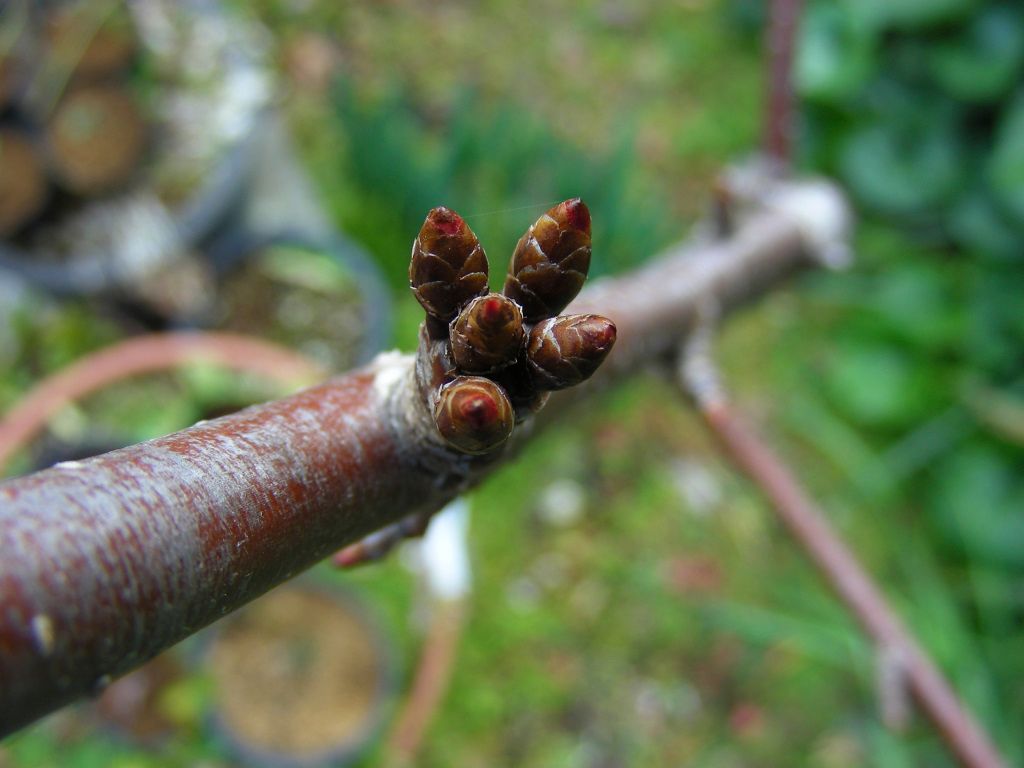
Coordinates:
<point>486,361</point>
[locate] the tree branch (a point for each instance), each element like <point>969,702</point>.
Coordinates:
<point>106,562</point>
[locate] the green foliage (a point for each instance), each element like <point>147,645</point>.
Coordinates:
<point>908,14</point>
<point>499,168</point>
<point>919,108</point>
<point>977,499</point>
<point>981,60</point>
<point>914,105</point>
<point>1006,165</point>
<point>904,168</point>
<point>837,55</point>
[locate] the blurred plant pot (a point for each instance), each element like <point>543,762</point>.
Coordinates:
<point>323,298</point>
<point>301,677</point>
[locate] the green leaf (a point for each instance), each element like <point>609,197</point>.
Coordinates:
<point>977,223</point>
<point>996,324</point>
<point>906,166</point>
<point>836,54</point>
<point>975,502</point>
<point>1006,165</point>
<point>983,61</point>
<point>915,302</point>
<point>881,385</point>
<point>908,14</point>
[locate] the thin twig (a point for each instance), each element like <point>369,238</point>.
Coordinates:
<point>433,674</point>
<point>446,581</point>
<point>783,22</point>
<point>839,566</point>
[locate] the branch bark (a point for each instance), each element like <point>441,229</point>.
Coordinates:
<point>106,562</point>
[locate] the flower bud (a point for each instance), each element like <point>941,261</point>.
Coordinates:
<point>448,266</point>
<point>551,261</point>
<point>488,334</point>
<point>473,415</point>
<point>564,351</point>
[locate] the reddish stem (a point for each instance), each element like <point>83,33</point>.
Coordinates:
<point>840,567</point>
<point>141,355</point>
<point>783,23</point>
<point>431,681</point>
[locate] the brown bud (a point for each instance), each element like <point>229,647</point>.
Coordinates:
<point>448,266</point>
<point>564,351</point>
<point>551,261</point>
<point>488,334</point>
<point>473,415</point>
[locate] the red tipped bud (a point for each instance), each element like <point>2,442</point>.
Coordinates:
<point>564,351</point>
<point>473,415</point>
<point>488,334</point>
<point>448,266</point>
<point>551,261</point>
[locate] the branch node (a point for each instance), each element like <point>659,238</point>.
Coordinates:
<point>697,372</point>
<point>892,686</point>
<point>815,205</point>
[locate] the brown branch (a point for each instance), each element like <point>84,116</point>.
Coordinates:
<point>106,562</point>
<point>783,26</point>
<point>837,564</point>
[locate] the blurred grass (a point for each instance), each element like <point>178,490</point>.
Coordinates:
<point>672,623</point>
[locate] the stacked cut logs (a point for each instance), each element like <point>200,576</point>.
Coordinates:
<point>71,128</point>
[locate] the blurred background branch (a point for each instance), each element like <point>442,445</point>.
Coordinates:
<point>907,665</point>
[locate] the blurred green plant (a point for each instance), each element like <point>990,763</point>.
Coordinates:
<point>499,169</point>
<point>918,107</point>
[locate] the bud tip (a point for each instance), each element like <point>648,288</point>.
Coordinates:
<point>478,410</point>
<point>445,221</point>
<point>578,214</point>
<point>492,310</point>
<point>602,332</point>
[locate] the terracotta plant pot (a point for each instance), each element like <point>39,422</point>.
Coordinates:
<point>301,677</point>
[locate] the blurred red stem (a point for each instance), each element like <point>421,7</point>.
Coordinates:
<point>142,355</point>
<point>432,676</point>
<point>808,525</point>
<point>783,23</point>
